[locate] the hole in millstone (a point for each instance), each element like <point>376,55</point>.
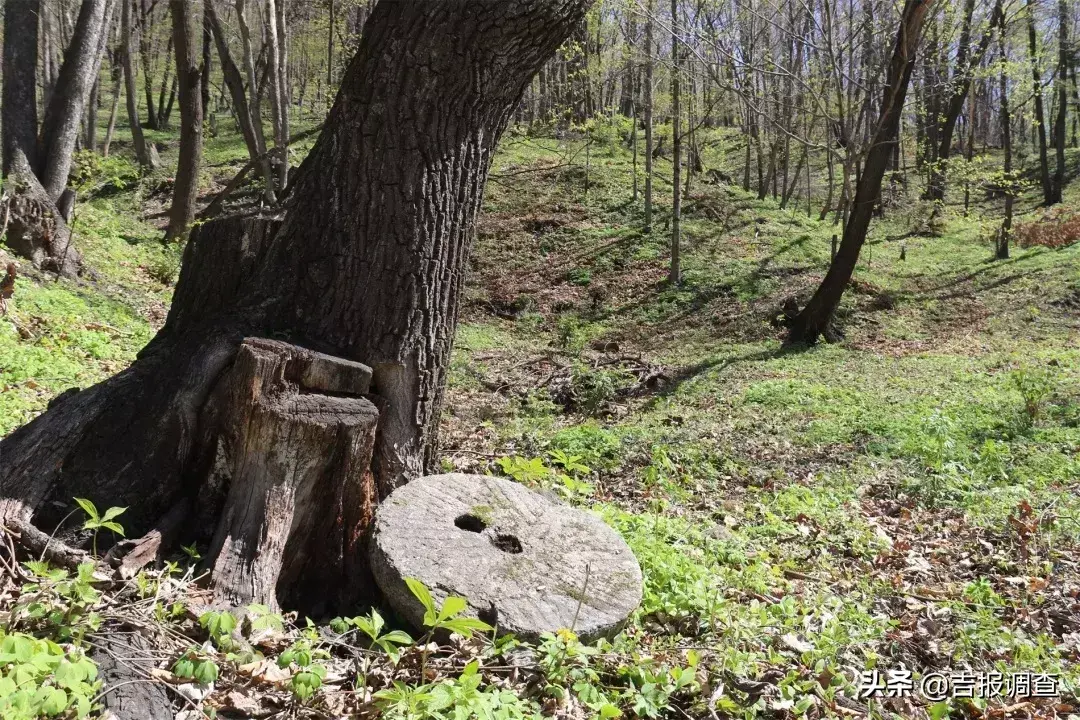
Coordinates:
<point>470,523</point>
<point>507,543</point>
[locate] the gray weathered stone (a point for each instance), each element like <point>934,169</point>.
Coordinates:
<point>519,559</point>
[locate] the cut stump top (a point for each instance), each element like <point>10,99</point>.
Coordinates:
<point>518,558</point>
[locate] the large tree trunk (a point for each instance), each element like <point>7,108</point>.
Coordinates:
<point>816,319</point>
<point>188,73</point>
<point>78,74</point>
<point>36,166</point>
<point>19,104</point>
<point>367,266</point>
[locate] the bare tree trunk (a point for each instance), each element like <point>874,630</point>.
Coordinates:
<point>114,110</point>
<point>186,187</point>
<point>90,140</point>
<point>675,270</point>
<point>816,319</point>
<point>279,112</point>
<point>165,115</point>
<point>37,229</point>
<point>1058,181</point>
<point>45,34</point>
<point>19,105</point>
<point>1040,119</point>
<point>161,116</point>
<point>145,41</point>
<point>60,125</point>
<point>142,154</point>
<point>1002,250</point>
<point>255,104</point>
<point>367,265</point>
<point>207,66</point>
<point>330,49</point>
<point>649,118</point>
<point>960,86</point>
<point>244,117</point>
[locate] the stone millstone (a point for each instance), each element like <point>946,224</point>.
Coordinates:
<point>518,558</point>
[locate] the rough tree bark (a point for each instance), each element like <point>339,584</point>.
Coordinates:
<point>816,319</point>
<point>60,124</point>
<point>366,265</point>
<point>38,168</point>
<point>188,74</point>
<point>19,105</point>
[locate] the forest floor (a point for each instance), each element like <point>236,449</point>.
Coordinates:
<point>908,498</point>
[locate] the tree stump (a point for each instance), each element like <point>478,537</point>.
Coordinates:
<point>295,450</point>
<point>524,563</point>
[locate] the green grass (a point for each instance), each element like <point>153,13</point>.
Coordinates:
<point>833,493</point>
<point>906,496</point>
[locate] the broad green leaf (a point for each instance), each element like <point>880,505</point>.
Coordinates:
<point>452,607</point>
<point>113,512</point>
<point>206,672</point>
<point>88,508</point>
<point>420,592</point>
<point>184,668</point>
<point>377,621</point>
<point>398,637</point>
<point>53,701</point>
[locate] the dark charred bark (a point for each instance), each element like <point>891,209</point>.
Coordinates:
<point>367,265</point>
<point>188,75</point>
<point>816,319</point>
